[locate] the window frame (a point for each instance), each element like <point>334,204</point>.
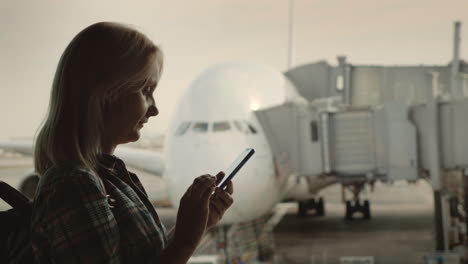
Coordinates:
<point>181,130</point>
<point>229,126</point>
<point>194,129</point>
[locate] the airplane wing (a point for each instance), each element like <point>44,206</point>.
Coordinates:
<point>146,160</point>
<point>23,146</point>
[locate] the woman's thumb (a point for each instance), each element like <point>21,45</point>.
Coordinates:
<point>219,177</point>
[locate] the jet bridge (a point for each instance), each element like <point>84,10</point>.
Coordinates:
<point>352,143</point>
<point>452,130</point>
<point>437,97</point>
<point>388,142</point>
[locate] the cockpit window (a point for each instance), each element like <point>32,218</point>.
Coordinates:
<point>183,127</point>
<point>252,129</point>
<point>238,126</point>
<point>221,126</point>
<point>200,127</point>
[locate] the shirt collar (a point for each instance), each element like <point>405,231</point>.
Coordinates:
<point>111,162</point>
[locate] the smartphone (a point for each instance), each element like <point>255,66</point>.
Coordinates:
<point>235,167</point>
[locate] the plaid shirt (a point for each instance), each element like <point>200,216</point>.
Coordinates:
<point>74,222</point>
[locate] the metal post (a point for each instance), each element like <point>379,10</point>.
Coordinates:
<point>455,70</point>
<point>439,222</point>
<point>347,84</point>
<point>325,142</point>
<point>432,121</point>
<point>465,203</point>
<point>291,34</point>
<point>341,79</point>
<point>225,229</point>
<point>464,86</point>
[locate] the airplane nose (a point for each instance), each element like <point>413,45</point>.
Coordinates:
<point>191,163</point>
<point>254,189</point>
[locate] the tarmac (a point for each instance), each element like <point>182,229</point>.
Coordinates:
<point>401,229</point>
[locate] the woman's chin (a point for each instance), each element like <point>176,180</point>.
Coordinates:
<point>135,136</point>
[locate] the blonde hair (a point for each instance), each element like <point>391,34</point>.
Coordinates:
<point>102,62</point>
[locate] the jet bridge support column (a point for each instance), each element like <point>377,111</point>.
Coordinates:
<point>465,204</point>
<point>456,90</point>
<point>343,83</point>
<point>432,121</point>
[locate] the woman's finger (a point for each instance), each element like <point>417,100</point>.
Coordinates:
<point>230,187</point>
<point>201,179</point>
<point>219,177</point>
<point>224,197</point>
<point>215,203</point>
<point>204,182</point>
<point>207,193</point>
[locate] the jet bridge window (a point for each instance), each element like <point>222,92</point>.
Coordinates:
<point>183,127</point>
<point>200,127</point>
<point>221,126</point>
<point>314,131</point>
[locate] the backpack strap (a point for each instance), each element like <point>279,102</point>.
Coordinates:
<point>15,243</point>
<point>14,198</point>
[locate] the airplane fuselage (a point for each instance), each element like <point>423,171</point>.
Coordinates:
<point>214,123</point>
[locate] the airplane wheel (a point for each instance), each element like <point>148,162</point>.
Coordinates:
<point>29,186</point>
<point>320,207</point>
<point>349,212</point>
<point>367,214</point>
<point>302,209</point>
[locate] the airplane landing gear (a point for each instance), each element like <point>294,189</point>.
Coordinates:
<point>355,205</point>
<point>312,204</point>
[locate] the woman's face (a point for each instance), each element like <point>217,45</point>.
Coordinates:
<point>132,110</point>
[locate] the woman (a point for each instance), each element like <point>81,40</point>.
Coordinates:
<point>88,208</point>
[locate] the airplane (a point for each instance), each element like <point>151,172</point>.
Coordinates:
<point>214,122</point>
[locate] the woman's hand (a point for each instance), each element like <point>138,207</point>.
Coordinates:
<point>220,202</point>
<point>192,216</point>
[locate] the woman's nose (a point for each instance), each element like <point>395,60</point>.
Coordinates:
<point>153,110</point>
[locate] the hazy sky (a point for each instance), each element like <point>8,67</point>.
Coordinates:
<point>197,34</point>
